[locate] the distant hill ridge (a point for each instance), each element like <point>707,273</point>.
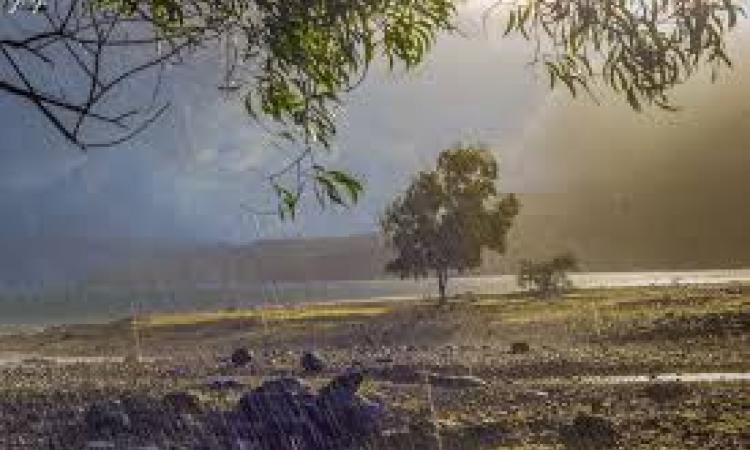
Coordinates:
<point>607,233</point>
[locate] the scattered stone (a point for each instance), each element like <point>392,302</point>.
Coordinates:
<point>106,419</point>
<point>588,432</point>
<point>384,360</point>
<point>540,394</point>
<point>518,348</point>
<point>241,357</point>
<point>733,289</point>
<point>312,362</point>
<point>182,403</point>
<point>666,392</point>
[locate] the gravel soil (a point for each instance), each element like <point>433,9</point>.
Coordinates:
<point>530,399</point>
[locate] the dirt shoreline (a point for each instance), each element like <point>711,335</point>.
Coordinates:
<point>530,393</point>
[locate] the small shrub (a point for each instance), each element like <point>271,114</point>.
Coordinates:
<point>518,348</point>
<point>547,278</point>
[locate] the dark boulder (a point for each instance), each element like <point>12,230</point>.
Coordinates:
<point>181,403</point>
<point>589,432</point>
<point>347,418</point>
<point>663,392</point>
<point>141,417</point>
<point>285,414</point>
<point>227,430</point>
<point>348,382</point>
<point>147,415</point>
<point>312,362</point>
<point>280,412</point>
<point>107,419</point>
<point>280,403</point>
<point>518,348</point>
<point>241,357</point>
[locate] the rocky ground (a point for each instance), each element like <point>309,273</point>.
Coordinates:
<point>481,373</point>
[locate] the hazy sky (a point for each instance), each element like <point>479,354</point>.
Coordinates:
<point>187,176</point>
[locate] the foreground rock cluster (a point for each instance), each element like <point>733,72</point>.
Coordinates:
<point>281,414</point>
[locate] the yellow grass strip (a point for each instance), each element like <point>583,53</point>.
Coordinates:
<point>271,314</point>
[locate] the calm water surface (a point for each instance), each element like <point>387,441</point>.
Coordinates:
<point>98,304</point>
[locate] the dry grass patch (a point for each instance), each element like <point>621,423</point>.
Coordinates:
<point>273,314</point>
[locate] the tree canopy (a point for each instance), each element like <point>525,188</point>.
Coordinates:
<point>641,49</point>
<point>448,215</point>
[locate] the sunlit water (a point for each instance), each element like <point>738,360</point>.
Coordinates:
<point>98,304</point>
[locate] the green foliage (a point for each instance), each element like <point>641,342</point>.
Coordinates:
<point>333,182</point>
<point>639,48</point>
<point>447,216</point>
<point>298,57</point>
<point>331,186</point>
<point>547,278</point>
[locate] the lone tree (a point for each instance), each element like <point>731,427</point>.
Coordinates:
<point>447,216</point>
<point>547,278</point>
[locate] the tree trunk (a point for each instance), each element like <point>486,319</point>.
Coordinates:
<point>442,275</point>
